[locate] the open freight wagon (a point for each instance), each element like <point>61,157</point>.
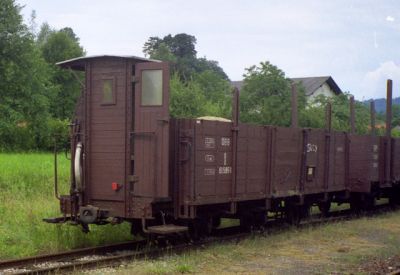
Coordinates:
<point>132,162</point>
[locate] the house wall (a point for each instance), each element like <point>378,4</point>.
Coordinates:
<point>323,90</point>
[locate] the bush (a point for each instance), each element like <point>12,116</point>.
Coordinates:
<point>26,136</point>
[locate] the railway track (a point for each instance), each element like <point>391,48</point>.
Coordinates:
<point>116,254</point>
<point>110,255</point>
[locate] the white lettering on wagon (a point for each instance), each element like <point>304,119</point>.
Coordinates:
<point>209,158</point>
<point>209,142</point>
<point>225,141</point>
<point>224,170</point>
<point>312,148</point>
<point>209,171</point>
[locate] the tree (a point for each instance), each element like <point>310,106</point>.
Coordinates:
<point>57,46</point>
<point>24,83</point>
<point>199,86</point>
<point>191,99</point>
<point>204,64</point>
<point>180,51</point>
<point>265,96</point>
<point>187,99</point>
<point>395,115</point>
<point>314,114</point>
<point>217,91</point>
<point>181,45</point>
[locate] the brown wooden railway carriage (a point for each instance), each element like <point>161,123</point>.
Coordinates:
<point>132,162</point>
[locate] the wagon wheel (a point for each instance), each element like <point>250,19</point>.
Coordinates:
<point>293,214</point>
<point>216,222</point>
<point>369,202</point>
<point>260,219</point>
<point>356,206</point>
<point>324,208</point>
<point>246,222</point>
<point>200,228</point>
<point>305,211</point>
<point>194,231</point>
<point>394,200</point>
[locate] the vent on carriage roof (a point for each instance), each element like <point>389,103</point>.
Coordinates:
<point>311,84</point>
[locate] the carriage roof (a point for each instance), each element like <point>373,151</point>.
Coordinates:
<point>78,63</point>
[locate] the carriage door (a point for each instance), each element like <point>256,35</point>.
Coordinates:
<point>151,130</point>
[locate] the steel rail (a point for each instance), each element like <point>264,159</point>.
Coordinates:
<point>23,262</point>
<point>74,260</point>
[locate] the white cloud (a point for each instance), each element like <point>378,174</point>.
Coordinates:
<point>389,18</point>
<point>374,82</point>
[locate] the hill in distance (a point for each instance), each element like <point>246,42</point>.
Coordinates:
<point>380,103</point>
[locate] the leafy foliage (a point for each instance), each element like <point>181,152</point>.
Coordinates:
<point>198,86</point>
<point>191,100</point>
<point>57,46</point>
<point>32,88</point>
<point>314,115</point>
<point>24,82</point>
<point>265,96</point>
<point>180,51</point>
<point>37,99</point>
<point>265,99</point>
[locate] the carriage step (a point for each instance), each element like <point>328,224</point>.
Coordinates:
<point>167,229</point>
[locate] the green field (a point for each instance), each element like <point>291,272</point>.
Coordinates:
<point>27,196</point>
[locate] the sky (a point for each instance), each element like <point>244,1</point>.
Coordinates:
<point>355,42</point>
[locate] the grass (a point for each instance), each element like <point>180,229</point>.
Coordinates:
<point>332,248</point>
<point>27,196</point>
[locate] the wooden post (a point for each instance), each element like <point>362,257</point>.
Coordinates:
<point>372,110</point>
<point>388,152</point>
<point>389,108</point>
<point>235,133</point>
<point>352,116</point>
<point>328,117</point>
<point>294,111</point>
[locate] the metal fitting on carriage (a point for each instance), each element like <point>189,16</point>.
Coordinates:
<point>88,214</point>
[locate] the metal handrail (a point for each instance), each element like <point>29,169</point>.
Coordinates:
<point>56,170</point>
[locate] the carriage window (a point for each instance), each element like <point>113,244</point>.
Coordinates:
<point>152,87</point>
<point>108,92</point>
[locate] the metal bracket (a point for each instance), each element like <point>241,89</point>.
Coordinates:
<point>133,178</point>
<point>134,79</point>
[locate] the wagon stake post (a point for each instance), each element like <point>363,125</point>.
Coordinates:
<point>235,133</point>
<point>373,115</point>
<point>352,116</point>
<point>389,88</point>
<point>55,169</point>
<point>294,110</point>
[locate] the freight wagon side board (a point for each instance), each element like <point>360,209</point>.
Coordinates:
<point>287,148</point>
<point>338,162</point>
<point>252,162</point>
<point>396,159</point>
<point>315,158</point>
<point>363,162</point>
<point>384,161</point>
<point>213,161</point>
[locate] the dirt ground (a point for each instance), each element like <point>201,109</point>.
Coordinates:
<point>382,266</point>
<point>367,245</point>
